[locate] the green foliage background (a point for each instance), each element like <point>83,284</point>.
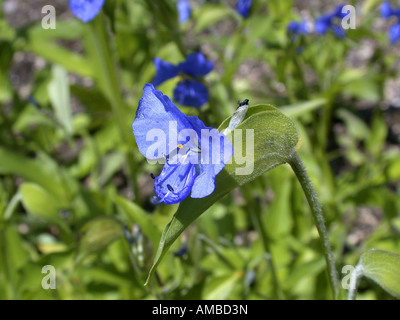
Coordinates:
<point>75,193</point>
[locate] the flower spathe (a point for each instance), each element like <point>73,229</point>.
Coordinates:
<point>192,162</point>
<point>188,92</point>
<point>86,10</point>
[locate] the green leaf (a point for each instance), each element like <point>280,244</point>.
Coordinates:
<point>298,109</point>
<point>275,140</point>
<point>60,97</point>
<point>38,201</point>
<point>141,217</point>
<point>43,171</point>
<point>219,288</point>
<point>97,234</point>
<point>210,14</point>
<point>383,267</point>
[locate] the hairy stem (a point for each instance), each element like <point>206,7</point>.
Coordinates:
<point>298,168</point>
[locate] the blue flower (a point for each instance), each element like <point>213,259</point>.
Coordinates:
<point>196,65</point>
<point>164,71</point>
<point>387,11</point>
<point>86,10</point>
<point>194,153</point>
<point>189,92</point>
<point>296,28</point>
<point>184,10</point>
<point>394,33</point>
<point>243,7</point>
<point>327,21</point>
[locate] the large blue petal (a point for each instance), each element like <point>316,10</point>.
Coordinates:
<point>196,64</point>
<point>184,10</point>
<point>175,182</point>
<point>215,152</point>
<point>191,93</point>
<point>86,10</point>
<point>164,71</point>
<point>157,111</point>
<point>243,7</point>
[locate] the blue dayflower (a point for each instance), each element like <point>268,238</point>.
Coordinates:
<point>193,159</point>
<point>184,10</point>
<point>86,10</point>
<point>191,93</point>
<point>322,24</point>
<point>338,31</point>
<point>296,27</point>
<point>394,33</point>
<point>327,21</point>
<point>164,71</point>
<point>195,65</point>
<point>188,92</point>
<point>387,11</point>
<point>243,7</point>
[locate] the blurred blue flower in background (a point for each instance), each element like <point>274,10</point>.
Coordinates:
<point>189,92</point>
<point>86,10</point>
<point>191,167</point>
<point>184,10</point>
<point>327,21</point>
<point>394,33</point>
<point>296,28</point>
<point>243,7</point>
<point>387,11</point>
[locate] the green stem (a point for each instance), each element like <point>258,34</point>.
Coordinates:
<point>255,216</point>
<point>300,171</point>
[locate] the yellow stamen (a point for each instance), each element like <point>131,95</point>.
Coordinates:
<point>180,146</point>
